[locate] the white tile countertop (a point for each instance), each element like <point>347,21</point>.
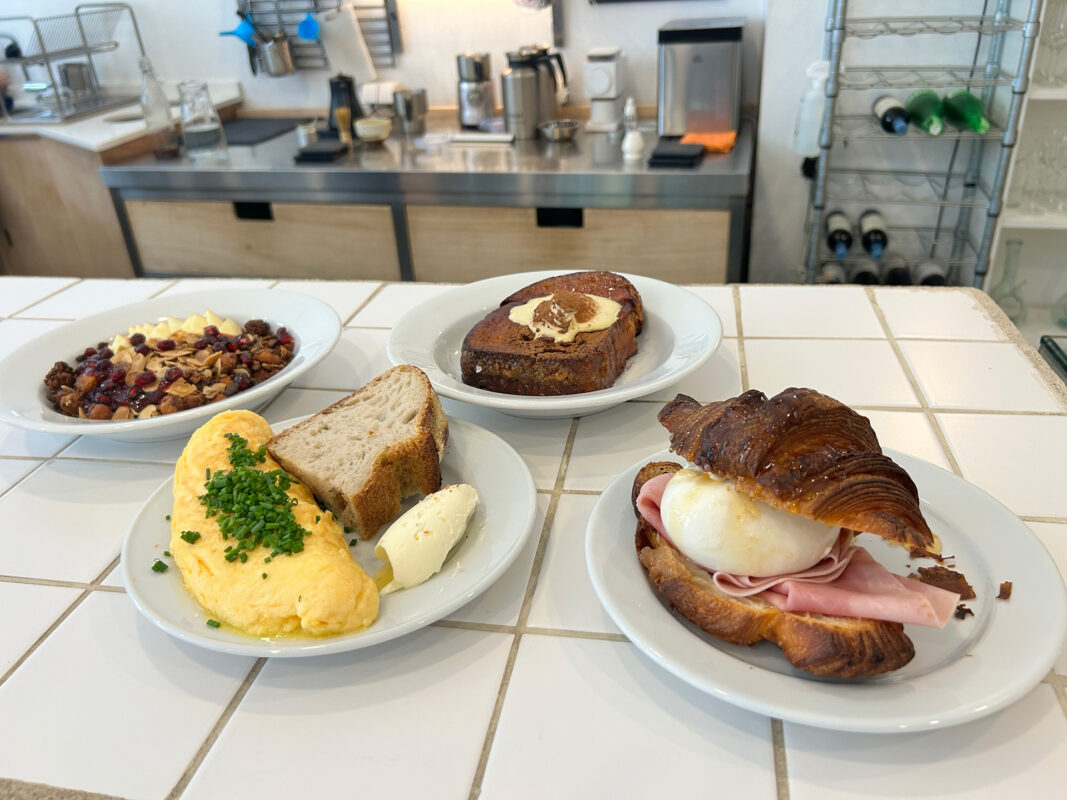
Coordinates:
<point>529,691</point>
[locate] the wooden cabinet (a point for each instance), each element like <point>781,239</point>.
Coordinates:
<point>56,217</point>
<point>464,243</point>
<point>293,240</point>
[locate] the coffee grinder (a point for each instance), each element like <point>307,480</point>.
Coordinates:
<point>475,89</point>
<point>604,85</point>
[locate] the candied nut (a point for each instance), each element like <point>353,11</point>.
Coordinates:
<point>100,411</point>
<point>257,327</point>
<point>195,400</point>
<point>267,357</point>
<point>227,362</point>
<point>85,383</point>
<point>61,374</point>
<point>69,403</point>
<point>170,404</point>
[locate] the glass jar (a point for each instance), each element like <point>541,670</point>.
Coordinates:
<point>201,127</point>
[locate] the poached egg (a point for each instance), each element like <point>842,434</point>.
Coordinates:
<point>722,530</point>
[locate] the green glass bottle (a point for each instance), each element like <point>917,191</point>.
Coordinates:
<point>964,111</point>
<point>924,109</point>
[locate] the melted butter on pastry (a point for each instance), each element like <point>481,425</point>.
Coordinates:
<point>561,316</point>
<point>721,529</point>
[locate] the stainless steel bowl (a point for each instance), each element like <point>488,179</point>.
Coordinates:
<point>559,130</point>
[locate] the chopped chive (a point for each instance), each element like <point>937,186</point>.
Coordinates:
<point>190,536</point>
<point>166,553</point>
<point>353,543</point>
<point>158,566</point>
<point>264,576</point>
<point>347,529</point>
<point>317,518</point>
<point>167,518</point>
<point>213,623</point>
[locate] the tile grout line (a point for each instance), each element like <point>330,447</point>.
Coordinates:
<point>173,282</point>
<point>1029,518</point>
<point>38,466</point>
<point>362,305</point>
<point>913,381</point>
<point>220,723</point>
<point>524,613</point>
<point>781,765</point>
<point>74,282</point>
<point>742,361</point>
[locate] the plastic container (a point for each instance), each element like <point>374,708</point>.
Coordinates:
<point>810,112</point>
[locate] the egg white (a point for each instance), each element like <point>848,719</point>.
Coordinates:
<point>721,529</point>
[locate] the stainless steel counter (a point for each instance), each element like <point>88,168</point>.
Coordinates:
<point>586,173</point>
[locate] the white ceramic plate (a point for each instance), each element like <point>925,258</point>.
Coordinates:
<point>495,536</point>
<point>971,668</point>
<point>680,333</point>
<point>314,324</point>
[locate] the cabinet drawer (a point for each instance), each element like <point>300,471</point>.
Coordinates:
<point>463,243</point>
<point>293,240</point>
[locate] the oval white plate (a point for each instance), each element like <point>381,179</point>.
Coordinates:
<point>680,333</point>
<point>495,536</point>
<point>971,668</point>
<point>313,323</point>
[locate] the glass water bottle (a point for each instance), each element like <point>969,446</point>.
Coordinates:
<point>201,126</point>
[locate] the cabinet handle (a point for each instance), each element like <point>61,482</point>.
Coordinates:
<point>253,211</point>
<point>560,217</point>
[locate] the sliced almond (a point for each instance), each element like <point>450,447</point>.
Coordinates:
<point>181,388</point>
<point>148,411</point>
<point>122,412</point>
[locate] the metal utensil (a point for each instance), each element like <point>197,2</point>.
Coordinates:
<point>559,130</point>
<point>276,56</point>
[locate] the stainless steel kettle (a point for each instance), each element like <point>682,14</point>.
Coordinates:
<point>551,79</point>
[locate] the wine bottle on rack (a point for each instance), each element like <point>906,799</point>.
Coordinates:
<point>872,233</point>
<point>864,271</point>
<point>931,273</point>
<point>895,271</point>
<point>891,115</point>
<point>964,111</point>
<point>924,109</point>
<point>838,233</point>
<point>831,272</point>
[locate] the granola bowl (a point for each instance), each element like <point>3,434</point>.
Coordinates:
<point>26,402</point>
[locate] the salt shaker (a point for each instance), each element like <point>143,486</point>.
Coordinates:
<point>633,143</point>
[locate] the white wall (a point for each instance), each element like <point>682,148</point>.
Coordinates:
<point>182,40</point>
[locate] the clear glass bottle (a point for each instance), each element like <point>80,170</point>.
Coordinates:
<point>156,110</point>
<point>201,126</point>
<point>1006,293</point>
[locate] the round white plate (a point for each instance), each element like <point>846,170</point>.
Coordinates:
<point>680,333</point>
<point>496,533</point>
<point>971,668</point>
<point>314,324</point>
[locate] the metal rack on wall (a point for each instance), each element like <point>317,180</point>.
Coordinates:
<point>952,195</point>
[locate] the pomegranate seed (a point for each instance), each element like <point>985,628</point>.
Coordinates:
<point>118,375</point>
<point>243,341</point>
<point>245,359</point>
<point>211,330</point>
<point>154,397</point>
<point>165,344</point>
<point>282,331</point>
<point>231,347</point>
<point>174,373</point>
<point>143,349</point>
<point>200,344</point>
<point>285,340</point>
<point>218,347</point>
<point>145,378</point>
<point>90,351</point>
<point>106,353</point>
<point>231,389</point>
<point>136,339</point>
<point>134,392</point>
<point>243,381</point>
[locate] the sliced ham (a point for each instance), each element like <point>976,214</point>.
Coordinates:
<point>846,582</point>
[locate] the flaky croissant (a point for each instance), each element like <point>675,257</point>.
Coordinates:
<point>806,453</point>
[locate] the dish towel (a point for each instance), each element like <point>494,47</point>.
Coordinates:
<point>713,142</point>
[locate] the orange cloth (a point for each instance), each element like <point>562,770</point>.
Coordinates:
<point>713,142</point>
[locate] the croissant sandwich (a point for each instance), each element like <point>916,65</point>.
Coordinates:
<point>756,542</point>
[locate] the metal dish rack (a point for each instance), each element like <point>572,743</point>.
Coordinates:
<point>953,194</point>
<point>89,31</point>
<point>378,23</point>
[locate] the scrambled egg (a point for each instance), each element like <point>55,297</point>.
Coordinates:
<point>319,591</point>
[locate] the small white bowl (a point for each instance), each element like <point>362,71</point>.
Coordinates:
<point>374,129</point>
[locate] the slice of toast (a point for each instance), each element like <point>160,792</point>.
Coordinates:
<point>364,454</point>
<point>840,647</point>
<point>503,356</point>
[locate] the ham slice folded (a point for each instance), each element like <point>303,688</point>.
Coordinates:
<point>846,582</point>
